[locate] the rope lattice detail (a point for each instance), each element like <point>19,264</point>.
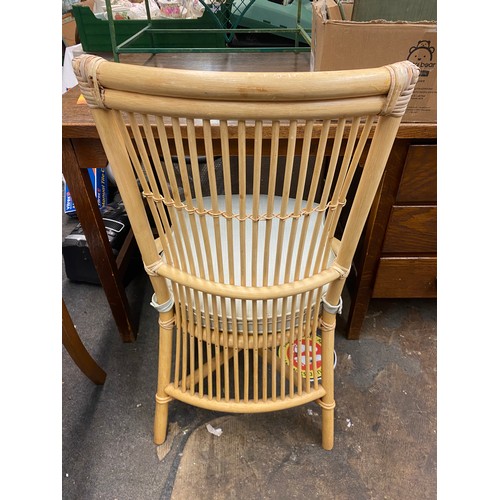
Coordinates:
<point>239,217</point>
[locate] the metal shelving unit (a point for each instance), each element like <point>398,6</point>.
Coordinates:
<point>226,15</point>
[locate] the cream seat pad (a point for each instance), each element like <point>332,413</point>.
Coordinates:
<point>243,234</point>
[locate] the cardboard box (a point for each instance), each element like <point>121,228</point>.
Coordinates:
<point>343,44</point>
<point>99,179</point>
<point>68,29</point>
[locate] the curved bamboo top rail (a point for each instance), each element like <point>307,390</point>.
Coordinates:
<point>106,84</point>
<point>224,85</point>
<point>78,123</point>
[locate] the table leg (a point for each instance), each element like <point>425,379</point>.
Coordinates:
<point>90,218</point>
<point>73,344</point>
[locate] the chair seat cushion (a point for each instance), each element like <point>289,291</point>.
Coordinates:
<point>289,234</point>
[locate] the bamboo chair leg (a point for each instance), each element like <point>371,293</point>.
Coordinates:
<point>327,402</point>
<point>164,367</point>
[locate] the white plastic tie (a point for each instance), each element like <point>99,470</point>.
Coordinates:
<point>165,307</point>
<point>332,309</point>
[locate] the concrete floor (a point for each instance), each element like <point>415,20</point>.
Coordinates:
<point>385,435</point>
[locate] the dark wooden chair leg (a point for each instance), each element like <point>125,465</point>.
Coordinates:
<point>76,349</point>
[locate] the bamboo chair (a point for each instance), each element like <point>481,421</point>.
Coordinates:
<point>248,259</point>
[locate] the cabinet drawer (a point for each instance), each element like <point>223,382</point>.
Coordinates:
<point>419,179</point>
<point>406,277</point>
<point>411,229</point>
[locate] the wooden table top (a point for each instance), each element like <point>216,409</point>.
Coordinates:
<point>77,120</point>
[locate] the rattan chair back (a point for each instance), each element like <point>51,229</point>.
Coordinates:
<point>247,194</point>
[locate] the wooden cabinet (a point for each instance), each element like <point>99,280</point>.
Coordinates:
<point>398,254</point>
<point>405,277</point>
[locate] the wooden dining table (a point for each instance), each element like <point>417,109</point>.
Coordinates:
<point>82,149</point>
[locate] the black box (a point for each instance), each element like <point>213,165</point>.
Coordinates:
<point>77,259</point>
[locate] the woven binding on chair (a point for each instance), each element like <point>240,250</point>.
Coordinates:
<point>401,88</point>
<point>86,73</point>
<point>239,217</point>
<point>247,203</point>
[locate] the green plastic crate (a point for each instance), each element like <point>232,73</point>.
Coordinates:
<point>94,33</point>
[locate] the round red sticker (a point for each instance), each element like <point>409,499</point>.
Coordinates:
<point>304,355</point>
